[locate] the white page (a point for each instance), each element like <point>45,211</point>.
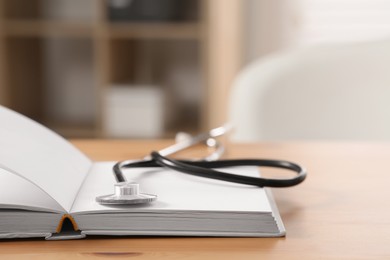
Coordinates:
<point>18,193</point>
<point>175,191</point>
<point>41,156</point>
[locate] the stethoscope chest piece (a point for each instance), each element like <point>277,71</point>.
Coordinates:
<point>126,193</point>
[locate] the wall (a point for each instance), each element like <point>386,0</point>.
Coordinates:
<point>271,25</point>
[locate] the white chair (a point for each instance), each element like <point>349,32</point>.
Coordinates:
<point>323,92</point>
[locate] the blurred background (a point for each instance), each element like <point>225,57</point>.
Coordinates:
<point>150,68</point>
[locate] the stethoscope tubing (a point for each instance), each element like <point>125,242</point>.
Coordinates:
<point>206,169</point>
<point>127,192</point>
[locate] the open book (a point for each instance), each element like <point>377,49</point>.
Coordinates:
<point>48,189</point>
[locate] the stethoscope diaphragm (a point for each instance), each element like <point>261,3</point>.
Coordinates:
<point>126,193</point>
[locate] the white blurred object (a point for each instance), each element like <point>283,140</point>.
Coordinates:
<point>134,112</point>
<point>323,92</point>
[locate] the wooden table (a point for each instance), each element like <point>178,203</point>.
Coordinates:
<point>342,210</point>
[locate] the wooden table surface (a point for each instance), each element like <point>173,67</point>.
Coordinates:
<point>342,210</point>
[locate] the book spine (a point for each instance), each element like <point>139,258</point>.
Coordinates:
<point>67,229</point>
<point>66,219</point>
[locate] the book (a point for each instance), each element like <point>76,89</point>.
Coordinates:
<point>48,189</point>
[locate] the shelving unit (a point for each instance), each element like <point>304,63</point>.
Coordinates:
<point>44,56</point>
<point>34,28</point>
<point>154,31</point>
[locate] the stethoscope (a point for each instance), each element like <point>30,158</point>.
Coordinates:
<point>128,192</point>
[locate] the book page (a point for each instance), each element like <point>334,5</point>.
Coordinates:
<point>19,193</point>
<point>41,156</point>
<point>176,191</point>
